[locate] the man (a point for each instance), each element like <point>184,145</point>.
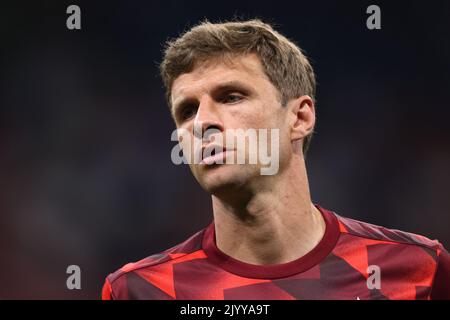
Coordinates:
<point>267,239</point>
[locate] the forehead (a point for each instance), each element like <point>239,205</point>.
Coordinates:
<point>213,72</point>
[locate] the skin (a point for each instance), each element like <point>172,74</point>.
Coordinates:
<point>259,219</point>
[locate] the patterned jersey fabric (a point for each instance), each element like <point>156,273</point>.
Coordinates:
<point>354,260</point>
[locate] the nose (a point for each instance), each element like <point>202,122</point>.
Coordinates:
<point>207,119</point>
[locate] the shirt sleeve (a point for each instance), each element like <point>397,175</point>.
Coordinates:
<point>107,291</point>
<point>441,285</point>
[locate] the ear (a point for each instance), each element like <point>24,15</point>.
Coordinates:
<point>303,115</point>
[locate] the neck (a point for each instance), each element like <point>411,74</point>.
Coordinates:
<point>272,225</point>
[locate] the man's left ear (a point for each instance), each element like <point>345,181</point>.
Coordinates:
<point>303,114</point>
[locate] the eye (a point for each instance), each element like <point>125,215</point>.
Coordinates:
<point>187,113</point>
<point>232,98</point>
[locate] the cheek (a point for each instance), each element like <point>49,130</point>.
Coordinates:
<point>187,145</point>
<point>248,119</point>
<point>187,151</point>
<point>280,123</point>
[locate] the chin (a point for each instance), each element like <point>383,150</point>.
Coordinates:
<point>216,179</point>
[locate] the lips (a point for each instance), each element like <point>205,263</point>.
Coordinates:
<point>217,154</point>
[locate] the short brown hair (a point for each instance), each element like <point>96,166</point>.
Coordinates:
<point>284,63</point>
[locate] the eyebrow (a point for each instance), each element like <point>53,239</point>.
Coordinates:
<point>220,88</point>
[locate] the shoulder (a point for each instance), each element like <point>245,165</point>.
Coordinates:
<point>386,235</point>
<point>411,265</point>
<point>189,246</point>
<point>117,284</point>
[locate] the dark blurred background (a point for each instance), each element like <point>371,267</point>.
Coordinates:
<point>85,171</point>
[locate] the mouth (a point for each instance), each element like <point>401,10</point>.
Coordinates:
<point>217,154</point>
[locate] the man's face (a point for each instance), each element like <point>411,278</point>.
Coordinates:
<point>220,96</point>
